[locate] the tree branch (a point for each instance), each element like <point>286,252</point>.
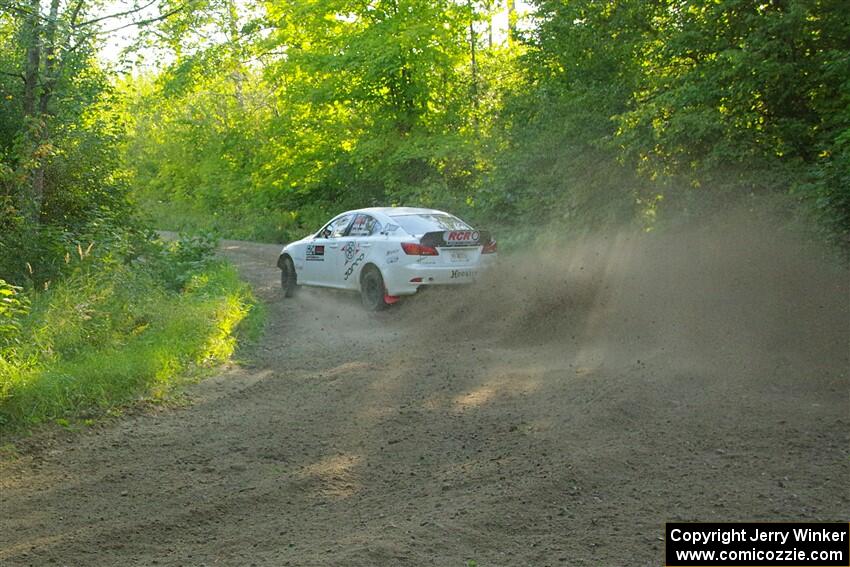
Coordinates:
<point>14,8</point>
<point>147,21</point>
<point>16,75</point>
<point>20,9</point>
<point>75,12</point>
<point>115,15</point>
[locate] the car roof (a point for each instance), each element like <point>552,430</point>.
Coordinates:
<point>396,211</point>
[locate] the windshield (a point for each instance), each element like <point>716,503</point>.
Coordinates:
<point>422,223</point>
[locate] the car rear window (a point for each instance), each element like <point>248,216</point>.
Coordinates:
<point>422,223</point>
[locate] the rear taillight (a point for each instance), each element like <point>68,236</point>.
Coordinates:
<point>489,248</point>
<point>416,249</point>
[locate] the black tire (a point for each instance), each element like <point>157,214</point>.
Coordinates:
<point>372,290</point>
<point>288,278</point>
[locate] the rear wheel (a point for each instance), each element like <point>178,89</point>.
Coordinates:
<point>288,278</point>
<point>372,290</point>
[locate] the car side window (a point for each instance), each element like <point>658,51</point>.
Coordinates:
<point>340,226</point>
<point>336,227</point>
<point>364,225</point>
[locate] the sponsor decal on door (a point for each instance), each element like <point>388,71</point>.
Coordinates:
<point>315,252</point>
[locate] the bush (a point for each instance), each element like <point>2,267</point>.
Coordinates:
<point>13,306</point>
<point>111,332</point>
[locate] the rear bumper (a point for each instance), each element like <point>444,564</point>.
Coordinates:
<point>398,280</point>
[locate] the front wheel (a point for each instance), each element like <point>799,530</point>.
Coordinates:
<point>372,291</point>
<point>288,278</point>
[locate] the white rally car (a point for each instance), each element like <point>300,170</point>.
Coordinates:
<point>387,252</point>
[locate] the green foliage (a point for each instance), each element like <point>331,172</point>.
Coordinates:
<point>658,112</point>
<point>827,191</point>
<point>177,262</point>
<point>85,199</point>
<point>590,114</point>
<point>737,96</point>
<point>13,307</point>
<point>555,157</point>
<point>102,337</point>
<point>93,311</point>
<point>383,111</point>
<point>372,104</point>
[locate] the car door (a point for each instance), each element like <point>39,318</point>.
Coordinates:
<point>322,253</point>
<point>356,248</point>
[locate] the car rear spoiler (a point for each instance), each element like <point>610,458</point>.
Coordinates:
<point>449,238</point>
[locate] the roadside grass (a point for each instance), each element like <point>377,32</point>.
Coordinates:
<point>258,225</point>
<point>102,338</point>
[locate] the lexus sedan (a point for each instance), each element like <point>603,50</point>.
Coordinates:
<point>387,252</point>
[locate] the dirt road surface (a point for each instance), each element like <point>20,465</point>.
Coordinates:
<point>557,414</point>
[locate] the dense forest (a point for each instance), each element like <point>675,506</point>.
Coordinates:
<point>581,113</point>
<point>260,119</point>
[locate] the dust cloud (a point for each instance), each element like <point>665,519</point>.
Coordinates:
<point>738,298</point>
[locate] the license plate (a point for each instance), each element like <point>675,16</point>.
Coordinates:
<point>456,256</point>
<point>462,274</point>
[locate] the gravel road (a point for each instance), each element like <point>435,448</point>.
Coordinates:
<point>557,414</point>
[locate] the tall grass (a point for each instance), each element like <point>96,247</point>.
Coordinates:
<point>100,338</point>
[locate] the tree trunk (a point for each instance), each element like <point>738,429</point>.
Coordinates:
<point>473,39</point>
<point>32,43</point>
<point>511,21</point>
<point>31,106</point>
<point>487,7</point>
<point>238,52</point>
<point>51,55</point>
